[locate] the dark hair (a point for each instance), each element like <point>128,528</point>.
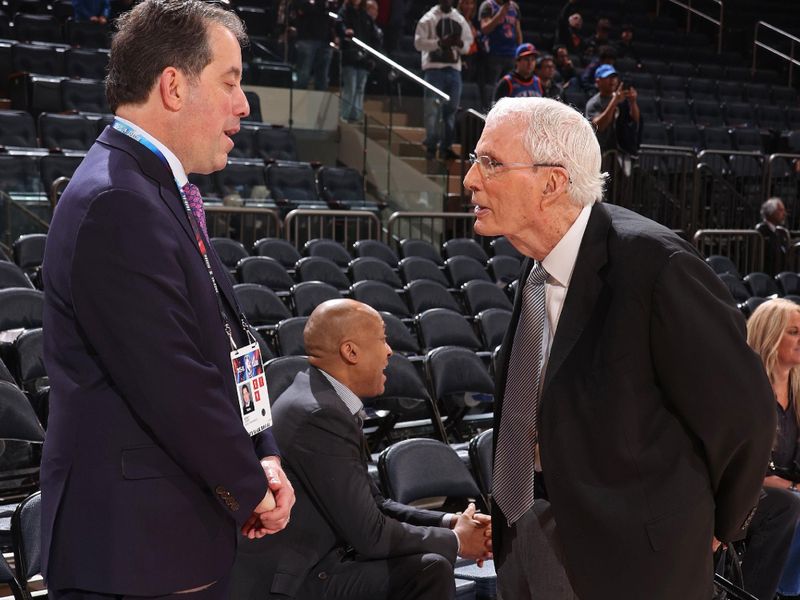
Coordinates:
<point>157,34</point>
<point>540,61</point>
<point>607,52</point>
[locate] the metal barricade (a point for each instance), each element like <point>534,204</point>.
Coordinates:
<point>246,224</point>
<point>745,247</point>
<point>345,226</point>
<point>658,184</point>
<point>782,179</point>
<point>435,227</point>
<point>722,201</point>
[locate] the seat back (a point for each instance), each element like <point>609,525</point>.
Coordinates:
<point>289,335</point>
<point>504,269</point>
<point>230,251</point>
<point>422,468</point>
<point>265,271</point>
<point>405,393</point>
<point>319,268</point>
<point>480,295</point>
<point>461,269</point>
<point>74,132</point>
<point>443,327</point>
<point>481,458</point>
<point>330,249</point>
<point>375,249</point>
<point>422,248</point>
<point>379,296</point>
<point>280,373</point>
<point>341,184</point>
<point>17,128</point>
<point>493,323</point>
<point>417,267</point>
<point>424,294</point>
<point>20,308</point>
<point>26,532</point>
<point>722,264</point>
<point>260,305</point>
<point>307,295</point>
<point>12,276</point>
<point>276,143</point>
<point>398,336</point>
<point>85,95</point>
<point>291,182</point>
<point>464,247</point>
<point>367,267</point>
<point>281,250</point>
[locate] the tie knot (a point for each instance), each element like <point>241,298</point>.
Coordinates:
<point>538,275</point>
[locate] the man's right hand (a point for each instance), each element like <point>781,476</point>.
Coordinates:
<point>474,533</point>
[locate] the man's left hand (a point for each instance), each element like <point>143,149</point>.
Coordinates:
<point>272,521</point>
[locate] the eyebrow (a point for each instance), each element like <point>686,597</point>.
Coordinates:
<point>236,71</point>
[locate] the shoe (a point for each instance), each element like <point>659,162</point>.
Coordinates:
<point>430,154</point>
<point>448,154</point>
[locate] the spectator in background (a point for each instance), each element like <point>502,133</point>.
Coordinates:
<point>565,70</point>
<point>502,33</point>
<point>442,36</point>
<point>546,71</point>
<point>470,60</point>
<point>569,30</point>
<point>773,332</point>
<point>521,82</point>
<point>625,47</point>
<point>776,241</point>
<point>599,40</point>
<point>606,56</point>
<point>614,112</point>
<point>95,11</point>
<point>312,42</point>
<point>354,21</point>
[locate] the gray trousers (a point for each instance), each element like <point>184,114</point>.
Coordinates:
<point>534,568</point>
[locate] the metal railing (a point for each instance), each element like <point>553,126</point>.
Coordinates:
<point>345,226</point>
<point>435,227</point>
<point>244,223</point>
<point>12,208</point>
<point>745,247</point>
<point>691,10</point>
<point>790,58</point>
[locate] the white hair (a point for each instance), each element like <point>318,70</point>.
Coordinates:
<point>556,133</point>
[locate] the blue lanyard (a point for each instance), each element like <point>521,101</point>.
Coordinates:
<point>201,246</point>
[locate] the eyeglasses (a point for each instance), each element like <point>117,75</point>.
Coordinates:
<point>490,167</point>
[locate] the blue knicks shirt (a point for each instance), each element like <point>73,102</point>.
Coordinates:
<point>502,41</point>
<point>512,86</point>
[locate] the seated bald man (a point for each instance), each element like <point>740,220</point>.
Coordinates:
<point>345,541</point>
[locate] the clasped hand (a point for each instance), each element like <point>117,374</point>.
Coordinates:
<point>272,513</point>
<point>474,531</point>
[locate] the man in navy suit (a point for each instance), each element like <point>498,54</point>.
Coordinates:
<point>148,473</point>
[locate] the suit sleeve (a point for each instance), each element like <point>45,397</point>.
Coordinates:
<point>327,459</point>
<point>716,383</point>
<point>132,301</point>
<point>404,512</point>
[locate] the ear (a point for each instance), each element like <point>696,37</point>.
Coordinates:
<point>349,352</point>
<point>557,185</point>
<point>173,88</point>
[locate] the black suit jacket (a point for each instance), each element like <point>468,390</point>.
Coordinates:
<point>656,419</point>
<point>339,509</point>
<point>147,471</point>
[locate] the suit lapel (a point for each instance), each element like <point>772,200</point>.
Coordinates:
<point>584,288</point>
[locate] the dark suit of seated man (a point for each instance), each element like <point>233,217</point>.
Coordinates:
<point>345,540</point>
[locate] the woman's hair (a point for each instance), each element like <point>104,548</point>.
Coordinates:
<point>765,329</point>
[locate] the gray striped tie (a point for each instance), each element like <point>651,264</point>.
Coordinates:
<point>512,485</point>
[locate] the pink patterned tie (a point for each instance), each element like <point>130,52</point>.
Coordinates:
<point>196,205</point>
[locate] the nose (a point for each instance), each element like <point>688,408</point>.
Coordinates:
<point>472,178</point>
<point>388,350</point>
<point>241,106</point>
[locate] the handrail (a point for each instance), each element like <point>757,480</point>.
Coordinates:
<point>11,203</point>
<point>690,11</point>
<point>788,57</point>
<point>397,67</point>
<point>327,223</point>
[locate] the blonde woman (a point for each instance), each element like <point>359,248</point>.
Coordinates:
<point>773,331</point>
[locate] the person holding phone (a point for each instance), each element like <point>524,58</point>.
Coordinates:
<point>614,112</point>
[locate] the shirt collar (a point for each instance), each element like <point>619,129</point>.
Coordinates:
<point>351,401</point>
<point>174,164</point>
<point>560,263</point>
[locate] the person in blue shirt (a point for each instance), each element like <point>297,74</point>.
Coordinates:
<point>96,11</point>
<point>521,82</point>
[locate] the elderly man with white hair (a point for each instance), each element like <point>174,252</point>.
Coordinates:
<point>633,425</point>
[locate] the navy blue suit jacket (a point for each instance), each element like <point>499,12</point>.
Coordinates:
<point>147,472</point>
